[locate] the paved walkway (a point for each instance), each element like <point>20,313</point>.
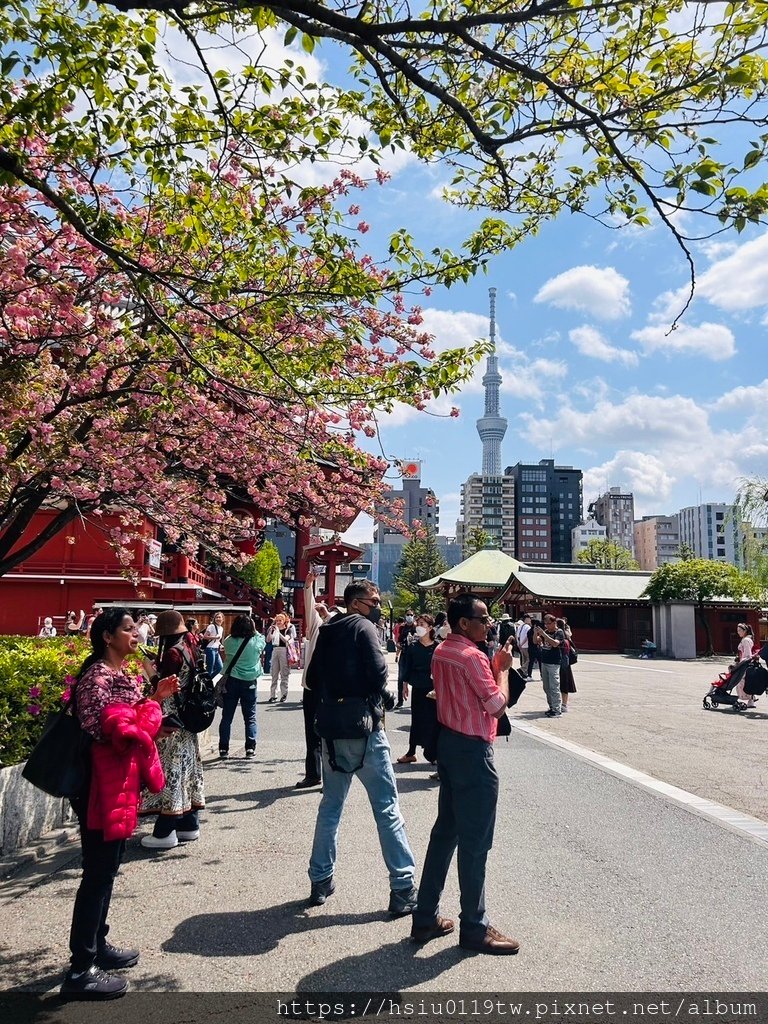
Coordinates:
<point>607,885</point>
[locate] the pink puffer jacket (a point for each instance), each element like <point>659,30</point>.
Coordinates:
<point>122,765</point>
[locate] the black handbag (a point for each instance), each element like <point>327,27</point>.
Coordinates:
<point>58,763</point>
<point>517,683</point>
<point>573,654</point>
<point>755,679</point>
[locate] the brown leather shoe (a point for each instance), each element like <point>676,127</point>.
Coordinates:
<point>442,926</point>
<point>492,942</point>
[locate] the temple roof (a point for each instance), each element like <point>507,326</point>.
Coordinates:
<point>487,569</point>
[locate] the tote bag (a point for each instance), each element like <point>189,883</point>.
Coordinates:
<point>59,762</point>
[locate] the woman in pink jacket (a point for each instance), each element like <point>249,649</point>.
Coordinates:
<point>122,728</point>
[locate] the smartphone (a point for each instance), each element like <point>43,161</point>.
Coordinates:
<point>172,722</point>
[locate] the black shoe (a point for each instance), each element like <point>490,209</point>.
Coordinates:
<point>321,891</point>
<point>283,699</point>
<point>250,752</point>
<point>403,901</point>
<point>110,958</point>
<point>272,700</point>
<point>307,783</point>
<point>93,984</point>
<point>223,754</point>
<point>399,704</point>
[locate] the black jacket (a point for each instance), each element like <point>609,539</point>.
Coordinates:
<point>348,662</point>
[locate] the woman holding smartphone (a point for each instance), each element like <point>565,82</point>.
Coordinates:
<point>102,682</point>
<point>178,804</point>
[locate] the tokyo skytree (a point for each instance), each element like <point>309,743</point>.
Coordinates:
<point>492,427</point>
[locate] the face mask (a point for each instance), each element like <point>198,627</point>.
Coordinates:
<point>374,614</point>
<point>409,618</point>
<point>421,631</point>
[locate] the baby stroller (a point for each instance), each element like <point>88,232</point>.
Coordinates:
<point>755,683</point>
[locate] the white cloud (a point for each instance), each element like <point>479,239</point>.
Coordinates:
<point>590,342</point>
<point>642,473</point>
<point>712,341</point>
<point>644,419</point>
<point>600,291</point>
<point>668,306</point>
<point>537,378</point>
<point>743,399</point>
<point>740,281</point>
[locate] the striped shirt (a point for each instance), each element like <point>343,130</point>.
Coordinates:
<point>468,696</point>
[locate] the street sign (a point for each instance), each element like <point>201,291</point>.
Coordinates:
<point>293,584</point>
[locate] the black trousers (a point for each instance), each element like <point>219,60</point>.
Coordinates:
<point>313,762</point>
<point>101,861</point>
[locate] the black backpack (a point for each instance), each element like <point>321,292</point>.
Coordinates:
<point>196,699</point>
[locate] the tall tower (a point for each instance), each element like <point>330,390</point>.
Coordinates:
<point>492,427</point>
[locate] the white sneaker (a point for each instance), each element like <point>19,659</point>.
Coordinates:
<point>166,843</point>
<point>564,708</point>
<point>188,837</point>
<point>752,703</point>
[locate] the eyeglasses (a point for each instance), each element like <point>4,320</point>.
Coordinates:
<point>373,601</point>
<point>480,618</point>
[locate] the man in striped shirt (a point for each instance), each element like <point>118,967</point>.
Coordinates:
<point>471,695</point>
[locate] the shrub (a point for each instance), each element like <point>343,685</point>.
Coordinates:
<point>34,677</point>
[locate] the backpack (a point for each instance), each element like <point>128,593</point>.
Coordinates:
<point>196,699</point>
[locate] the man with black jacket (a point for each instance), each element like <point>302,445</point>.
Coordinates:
<point>348,662</point>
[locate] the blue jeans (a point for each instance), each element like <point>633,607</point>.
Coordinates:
<point>213,663</point>
<point>379,780</point>
<point>550,678</point>
<point>242,692</point>
<point>466,817</point>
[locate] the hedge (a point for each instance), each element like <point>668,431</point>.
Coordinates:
<point>35,675</point>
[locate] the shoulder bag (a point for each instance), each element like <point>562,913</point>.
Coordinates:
<point>58,763</point>
<point>346,718</point>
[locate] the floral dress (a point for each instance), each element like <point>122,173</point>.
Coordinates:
<point>179,752</point>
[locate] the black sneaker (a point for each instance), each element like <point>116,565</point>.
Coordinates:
<point>93,984</point>
<point>110,958</point>
<point>250,753</point>
<point>223,754</point>
<point>403,901</point>
<point>283,700</point>
<point>321,891</point>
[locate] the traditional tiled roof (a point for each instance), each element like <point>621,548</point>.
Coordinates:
<point>488,569</point>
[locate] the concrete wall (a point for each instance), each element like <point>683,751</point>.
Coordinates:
<point>674,629</point>
<point>26,812</point>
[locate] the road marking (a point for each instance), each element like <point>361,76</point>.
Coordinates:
<point>624,665</point>
<point>727,817</point>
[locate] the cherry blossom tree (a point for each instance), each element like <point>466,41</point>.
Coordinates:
<point>237,366</point>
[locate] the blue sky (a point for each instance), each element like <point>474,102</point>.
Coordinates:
<point>591,376</point>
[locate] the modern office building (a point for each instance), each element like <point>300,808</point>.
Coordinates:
<point>415,504</point>
<point>548,505</point>
<point>583,534</point>
<point>657,541</point>
<point>712,531</point>
<point>615,510</point>
<point>487,498</point>
<point>488,503</point>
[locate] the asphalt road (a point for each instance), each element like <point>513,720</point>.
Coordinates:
<point>608,886</point>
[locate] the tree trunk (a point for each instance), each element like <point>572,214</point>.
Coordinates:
<point>705,623</point>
